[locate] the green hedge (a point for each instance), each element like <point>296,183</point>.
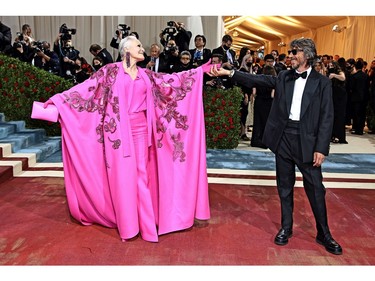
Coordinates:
<point>20,85</point>
<point>222,117</point>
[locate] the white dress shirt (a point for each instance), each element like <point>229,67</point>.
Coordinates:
<point>299,87</point>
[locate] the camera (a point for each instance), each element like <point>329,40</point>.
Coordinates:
<point>21,42</point>
<point>38,46</point>
<point>170,31</point>
<point>219,83</point>
<point>171,50</point>
<point>66,32</point>
<point>19,36</point>
<point>123,29</point>
<point>17,45</point>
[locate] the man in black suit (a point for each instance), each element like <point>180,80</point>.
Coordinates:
<point>200,55</point>
<point>359,92</point>
<point>155,62</point>
<point>97,51</point>
<point>298,131</point>
<point>229,56</point>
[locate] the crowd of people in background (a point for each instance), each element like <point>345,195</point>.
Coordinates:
<point>352,79</point>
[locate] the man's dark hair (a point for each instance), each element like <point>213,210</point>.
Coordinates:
<point>227,38</point>
<point>95,48</point>
<point>308,47</point>
<point>358,64</point>
<point>351,61</point>
<point>201,36</point>
<point>220,56</point>
<point>341,61</point>
<point>282,57</point>
<point>269,57</point>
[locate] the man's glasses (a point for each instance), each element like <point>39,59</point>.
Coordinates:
<point>294,51</point>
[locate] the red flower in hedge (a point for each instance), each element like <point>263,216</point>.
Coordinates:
<point>27,83</point>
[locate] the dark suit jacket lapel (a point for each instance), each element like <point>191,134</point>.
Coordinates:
<point>308,92</point>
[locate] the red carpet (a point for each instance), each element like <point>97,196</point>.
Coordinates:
<point>36,229</point>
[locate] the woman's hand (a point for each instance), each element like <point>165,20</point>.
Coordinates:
<point>206,67</point>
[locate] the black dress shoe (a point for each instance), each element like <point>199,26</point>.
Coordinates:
<point>282,236</point>
<point>330,244</point>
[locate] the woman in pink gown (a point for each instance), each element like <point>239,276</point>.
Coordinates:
<point>134,148</point>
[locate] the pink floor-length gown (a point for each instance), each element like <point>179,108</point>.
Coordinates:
<point>99,155</point>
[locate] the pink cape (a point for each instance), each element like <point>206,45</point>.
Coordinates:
<point>98,152</point>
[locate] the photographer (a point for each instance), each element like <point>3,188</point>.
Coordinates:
<point>45,58</point>
<point>27,34</point>
<point>64,48</point>
<point>5,39</point>
<point>21,48</point>
<point>176,30</point>
<point>97,51</point>
<point>170,56</point>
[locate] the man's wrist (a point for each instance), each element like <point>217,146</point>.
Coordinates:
<point>231,73</point>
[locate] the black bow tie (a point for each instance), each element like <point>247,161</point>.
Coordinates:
<point>298,75</point>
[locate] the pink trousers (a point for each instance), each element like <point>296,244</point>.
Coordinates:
<point>146,216</point>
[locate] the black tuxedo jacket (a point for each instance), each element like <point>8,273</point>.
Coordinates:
<point>316,119</point>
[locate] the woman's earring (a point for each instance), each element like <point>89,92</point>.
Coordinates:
<point>127,56</point>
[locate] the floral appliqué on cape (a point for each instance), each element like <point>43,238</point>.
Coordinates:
<point>167,91</point>
<point>102,96</point>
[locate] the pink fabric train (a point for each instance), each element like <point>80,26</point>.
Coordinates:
<point>98,153</point>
